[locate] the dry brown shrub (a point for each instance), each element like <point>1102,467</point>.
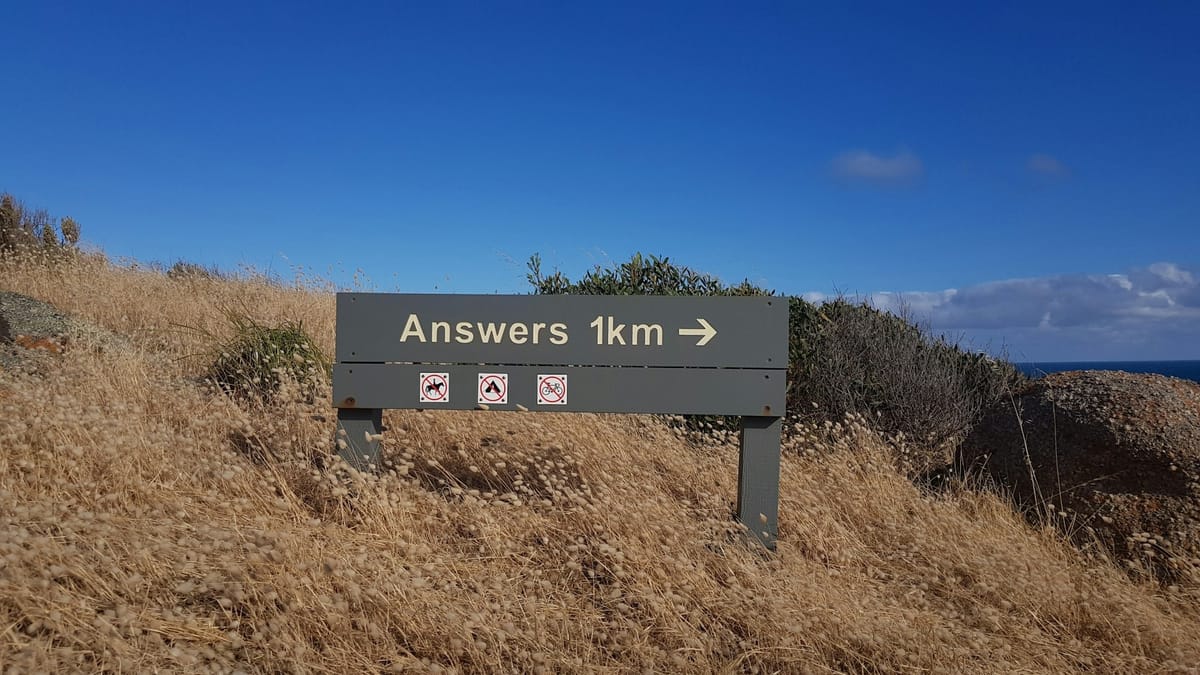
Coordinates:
<point>147,523</point>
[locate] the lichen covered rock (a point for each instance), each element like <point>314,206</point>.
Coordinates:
<point>1112,458</point>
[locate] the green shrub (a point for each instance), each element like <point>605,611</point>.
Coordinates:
<point>844,358</point>
<point>640,276</point>
<point>924,390</point>
<point>258,360</point>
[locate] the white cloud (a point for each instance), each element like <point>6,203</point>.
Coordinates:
<point>1172,273</point>
<point>1149,313</point>
<point>1047,165</point>
<point>863,165</point>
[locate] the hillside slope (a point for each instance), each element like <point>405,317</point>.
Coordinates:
<point>149,524</point>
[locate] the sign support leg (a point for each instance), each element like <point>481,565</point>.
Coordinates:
<point>363,427</point>
<point>758,478</point>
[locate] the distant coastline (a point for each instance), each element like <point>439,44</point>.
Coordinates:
<point>1187,370</point>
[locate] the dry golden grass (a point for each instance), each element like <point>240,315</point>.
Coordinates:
<point>147,524</point>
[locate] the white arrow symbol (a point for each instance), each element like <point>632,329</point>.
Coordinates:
<point>707,332</point>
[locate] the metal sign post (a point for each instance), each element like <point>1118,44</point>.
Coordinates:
<point>562,353</point>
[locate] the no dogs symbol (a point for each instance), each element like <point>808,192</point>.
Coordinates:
<point>435,387</point>
<point>552,389</point>
<point>493,387</point>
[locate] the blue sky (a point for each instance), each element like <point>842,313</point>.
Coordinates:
<point>1026,176</point>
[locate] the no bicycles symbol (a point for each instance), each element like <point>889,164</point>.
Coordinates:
<point>493,388</point>
<point>552,389</point>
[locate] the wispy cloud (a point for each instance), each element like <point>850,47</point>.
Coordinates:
<point>1151,312</point>
<point>1047,165</point>
<point>862,165</point>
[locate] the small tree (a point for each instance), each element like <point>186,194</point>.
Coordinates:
<point>34,223</point>
<point>70,231</point>
<point>11,235</point>
<point>49,236</point>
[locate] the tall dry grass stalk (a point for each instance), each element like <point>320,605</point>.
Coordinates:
<point>148,523</point>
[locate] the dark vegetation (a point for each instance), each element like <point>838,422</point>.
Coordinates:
<point>184,270</point>
<point>846,358</point>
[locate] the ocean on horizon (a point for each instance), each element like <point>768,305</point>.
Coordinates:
<point>1187,370</point>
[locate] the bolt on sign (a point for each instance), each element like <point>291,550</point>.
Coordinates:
<point>686,355</point>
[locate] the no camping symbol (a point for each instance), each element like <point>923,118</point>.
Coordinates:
<point>435,387</point>
<point>493,388</point>
<point>552,389</point>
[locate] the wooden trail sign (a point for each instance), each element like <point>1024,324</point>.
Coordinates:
<point>571,353</point>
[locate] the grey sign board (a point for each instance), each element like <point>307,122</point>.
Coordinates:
<point>565,353</point>
<point>673,331</point>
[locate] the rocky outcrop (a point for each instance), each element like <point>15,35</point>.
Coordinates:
<point>1112,458</point>
<point>30,316</point>
<point>30,328</point>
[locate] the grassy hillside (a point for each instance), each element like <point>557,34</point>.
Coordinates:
<point>147,523</point>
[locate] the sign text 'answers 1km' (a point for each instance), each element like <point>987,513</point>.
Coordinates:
<point>582,330</point>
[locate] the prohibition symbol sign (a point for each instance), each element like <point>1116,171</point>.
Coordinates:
<point>552,389</point>
<point>493,387</point>
<point>435,387</point>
